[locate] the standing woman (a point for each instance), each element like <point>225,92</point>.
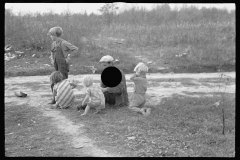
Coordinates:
<point>60,53</point>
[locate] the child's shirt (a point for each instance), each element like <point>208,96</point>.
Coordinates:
<point>67,48</point>
<point>65,94</point>
<point>140,84</point>
<point>95,93</point>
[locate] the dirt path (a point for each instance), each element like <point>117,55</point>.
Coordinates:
<point>160,85</point>
<point>79,140</point>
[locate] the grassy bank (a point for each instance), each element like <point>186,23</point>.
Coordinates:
<point>28,66</point>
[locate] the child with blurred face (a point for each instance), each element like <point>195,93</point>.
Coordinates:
<point>94,96</point>
<point>62,90</point>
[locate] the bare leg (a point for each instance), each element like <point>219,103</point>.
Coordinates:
<point>86,111</point>
<point>53,100</point>
<point>97,111</point>
<point>133,108</point>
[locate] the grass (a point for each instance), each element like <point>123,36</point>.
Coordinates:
<point>163,43</point>
<point>41,66</point>
<point>179,127</point>
<point>207,47</point>
<point>29,134</point>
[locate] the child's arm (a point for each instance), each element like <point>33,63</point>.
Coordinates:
<point>117,89</point>
<point>68,48</point>
<point>86,98</point>
<point>73,85</point>
<point>135,78</point>
<point>104,89</point>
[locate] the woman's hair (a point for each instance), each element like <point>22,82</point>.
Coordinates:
<point>56,77</point>
<point>87,80</point>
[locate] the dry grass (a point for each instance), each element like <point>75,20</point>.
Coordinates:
<point>207,44</point>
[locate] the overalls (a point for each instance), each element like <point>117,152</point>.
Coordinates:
<point>60,63</point>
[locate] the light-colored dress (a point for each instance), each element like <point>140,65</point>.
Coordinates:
<point>65,96</point>
<point>96,97</point>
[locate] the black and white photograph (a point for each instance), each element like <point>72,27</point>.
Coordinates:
<point>120,79</point>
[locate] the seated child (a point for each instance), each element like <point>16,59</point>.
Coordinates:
<point>94,95</point>
<point>62,90</point>
<point>138,99</point>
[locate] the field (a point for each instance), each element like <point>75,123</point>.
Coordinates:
<point>184,122</point>
<point>192,43</point>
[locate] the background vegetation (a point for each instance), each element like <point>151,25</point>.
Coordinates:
<point>187,37</point>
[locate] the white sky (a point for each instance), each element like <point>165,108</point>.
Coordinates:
<point>93,7</point>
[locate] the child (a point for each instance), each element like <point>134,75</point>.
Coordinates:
<point>94,95</point>
<point>62,90</point>
<point>60,52</point>
<point>138,99</point>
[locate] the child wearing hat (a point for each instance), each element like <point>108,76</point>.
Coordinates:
<point>60,53</point>
<point>138,98</point>
<point>62,90</point>
<point>94,96</point>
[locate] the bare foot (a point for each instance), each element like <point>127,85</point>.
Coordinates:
<point>54,106</point>
<point>148,112</point>
<point>83,114</point>
<point>96,112</point>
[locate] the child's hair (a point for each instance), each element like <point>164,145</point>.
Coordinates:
<point>56,77</point>
<point>56,31</point>
<point>87,80</point>
<point>141,67</point>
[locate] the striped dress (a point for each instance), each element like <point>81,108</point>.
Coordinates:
<point>64,96</point>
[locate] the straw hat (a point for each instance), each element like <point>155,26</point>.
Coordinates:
<point>108,58</point>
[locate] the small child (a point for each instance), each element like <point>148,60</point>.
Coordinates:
<point>62,90</point>
<point>94,95</point>
<point>138,99</point>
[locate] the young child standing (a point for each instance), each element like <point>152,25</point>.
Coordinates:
<point>94,95</point>
<point>138,99</point>
<point>60,53</point>
<point>62,90</point>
